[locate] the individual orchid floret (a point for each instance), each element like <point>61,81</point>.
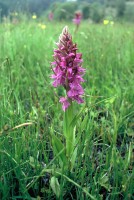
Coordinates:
<point>67,69</point>
<point>64,102</point>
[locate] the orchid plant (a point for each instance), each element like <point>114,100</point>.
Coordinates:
<point>77,20</point>
<point>68,72</point>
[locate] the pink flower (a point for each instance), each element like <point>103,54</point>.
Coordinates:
<point>50,16</point>
<point>77,19</point>
<point>64,102</point>
<point>67,69</point>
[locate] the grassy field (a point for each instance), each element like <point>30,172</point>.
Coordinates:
<point>30,111</point>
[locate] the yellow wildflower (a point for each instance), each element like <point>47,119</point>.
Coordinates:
<point>43,26</point>
<point>105,21</point>
<point>34,16</point>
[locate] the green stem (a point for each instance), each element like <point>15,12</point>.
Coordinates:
<point>68,131</point>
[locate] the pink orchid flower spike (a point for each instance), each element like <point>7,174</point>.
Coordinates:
<point>67,68</point>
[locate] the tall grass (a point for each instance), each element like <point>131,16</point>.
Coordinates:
<point>30,110</point>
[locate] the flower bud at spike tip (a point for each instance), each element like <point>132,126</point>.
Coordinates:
<point>67,69</point>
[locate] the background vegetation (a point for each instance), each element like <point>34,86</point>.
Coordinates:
<point>95,10</point>
<point>30,110</point>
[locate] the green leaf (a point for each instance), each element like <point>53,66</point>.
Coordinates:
<point>33,163</point>
<point>104,182</point>
<point>76,117</point>
<point>84,122</point>
<point>55,186</point>
<point>110,101</point>
<point>59,149</point>
<point>73,158</point>
<point>128,156</point>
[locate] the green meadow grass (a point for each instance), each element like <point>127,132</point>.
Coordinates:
<point>30,110</point>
